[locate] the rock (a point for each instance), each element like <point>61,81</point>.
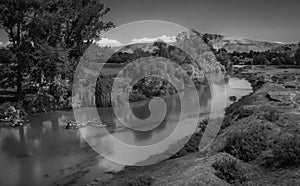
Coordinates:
<point>232,98</point>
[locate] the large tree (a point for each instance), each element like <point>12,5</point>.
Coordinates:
<point>50,35</point>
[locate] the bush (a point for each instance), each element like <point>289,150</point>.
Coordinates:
<point>53,96</point>
<point>244,113</point>
<point>285,154</point>
<point>247,145</point>
<point>193,144</point>
<point>270,115</point>
<point>140,181</point>
<point>227,169</point>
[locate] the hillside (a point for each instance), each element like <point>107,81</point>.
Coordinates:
<point>232,44</point>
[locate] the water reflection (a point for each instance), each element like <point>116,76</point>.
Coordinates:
<point>44,146</point>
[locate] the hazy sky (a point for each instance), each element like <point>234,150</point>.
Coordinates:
<point>256,19</point>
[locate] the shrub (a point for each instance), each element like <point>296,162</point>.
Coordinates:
<point>193,144</point>
<point>247,145</point>
<point>139,181</point>
<point>244,113</point>
<point>286,153</point>
<point>270,115</point>
<point>227,169</point>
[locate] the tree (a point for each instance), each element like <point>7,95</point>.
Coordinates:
<point>50,35</point>
<point>15,15</point>
<point>224,58</point>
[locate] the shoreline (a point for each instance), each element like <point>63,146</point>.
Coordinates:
<point>262,85</point>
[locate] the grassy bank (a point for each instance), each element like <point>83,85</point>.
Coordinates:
<point>258,145</point>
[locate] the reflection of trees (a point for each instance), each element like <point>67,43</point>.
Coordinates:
<point>107,117</point>
<point>161,126</point>
<point>142,135</point>
<point>11,146</point>
<point>140,111</point>
<point>204,94</point>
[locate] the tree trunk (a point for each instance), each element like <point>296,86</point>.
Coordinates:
<point>19,79</point>
<point>19,83</point>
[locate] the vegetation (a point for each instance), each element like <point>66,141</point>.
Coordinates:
<point>140,181</point>
<point>285,153</point>
<point>284,55</point>
<point>229,170</point>
<point>11,111</point>
<point>131,180</point>
<point>193,144</point>
<point>247,145</point>
<point>47,38</point>
<point>269,114</point>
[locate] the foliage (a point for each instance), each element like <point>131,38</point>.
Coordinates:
<point>284,55</point>
<point>47,38</point>
<point>229,170</point>
<point>244,113</point>
<point>285,153</point>
<point>248,144</point>
<point>54,96</point>
<point>193,144</point>
<point>223,57</point>
<point>269,114</point>
<point>139,181</point>
<point>11,112</point>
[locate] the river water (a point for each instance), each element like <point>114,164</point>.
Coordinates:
<point>43,152</point>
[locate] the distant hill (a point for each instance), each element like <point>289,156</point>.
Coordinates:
<point>232,44</point>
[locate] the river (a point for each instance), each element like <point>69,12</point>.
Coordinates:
<point>43,152</point>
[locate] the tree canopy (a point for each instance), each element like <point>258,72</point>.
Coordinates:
<point>48,37</point>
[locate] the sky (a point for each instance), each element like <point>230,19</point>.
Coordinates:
<point>266,20</point>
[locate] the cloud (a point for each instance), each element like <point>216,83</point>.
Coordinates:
<point>109,42</point>
<point>1,43</point>
<point>167,39</point>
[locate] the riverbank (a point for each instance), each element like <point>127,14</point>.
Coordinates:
<point>258,145</point>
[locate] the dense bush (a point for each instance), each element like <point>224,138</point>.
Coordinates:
<point>139,181</point>
<point>244,113</point>
<point>247,145</point>
<point>193,144</point>
<point>227,169</point>
<point>11,111</point>
<point>285,153</point>
<point>270,115</point>
<point>53,96</point>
